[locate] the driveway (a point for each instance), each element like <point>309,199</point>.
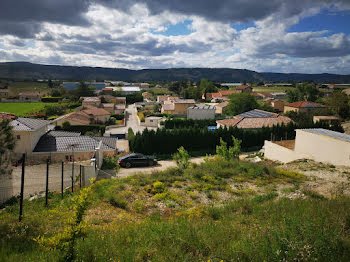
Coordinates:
<point>131,122</point>
<point>162,165</point>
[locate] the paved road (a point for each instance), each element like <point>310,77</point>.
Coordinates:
<point>131,122</point>
<point>162,165</point>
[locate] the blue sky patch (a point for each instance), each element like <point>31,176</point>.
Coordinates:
<point>243,26</point>
<point>333,21</point>
<point>182,28</point>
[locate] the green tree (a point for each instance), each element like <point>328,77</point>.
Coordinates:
<point>131,134</point>
<point>66,125</point>
<point>229,153</point>
<point>339,104</point>
<point>240,103</point>
<point>182,158</point>
<point>7,144</point>
<point>83,90</point>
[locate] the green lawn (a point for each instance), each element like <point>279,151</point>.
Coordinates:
<point>21,109</point>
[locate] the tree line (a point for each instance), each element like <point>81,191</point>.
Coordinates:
<point>167,141</point>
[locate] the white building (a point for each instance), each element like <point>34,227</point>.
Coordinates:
<point>201,112</point>
<point>318,144</point>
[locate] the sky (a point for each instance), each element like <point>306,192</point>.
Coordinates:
<point>288,36</point>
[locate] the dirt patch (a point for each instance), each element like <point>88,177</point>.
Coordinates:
<point>324,179</point>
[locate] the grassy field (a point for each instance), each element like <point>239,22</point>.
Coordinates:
<point>271,89</point>
<point>22,109</point>
<point>18,87</point>
<point>204,213</point>
<point>160,91</point>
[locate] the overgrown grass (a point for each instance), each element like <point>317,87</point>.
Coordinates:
<point>205,212</point>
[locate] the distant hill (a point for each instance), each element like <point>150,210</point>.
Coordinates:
<point>29,71</point>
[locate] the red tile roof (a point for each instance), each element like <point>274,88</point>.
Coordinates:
<point>242,87</point>
<point>227,92</point>
<point>305,104</point>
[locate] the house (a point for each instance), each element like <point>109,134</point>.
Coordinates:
<point>220,95</point>
<point>91,101</point>
<point>304,106</point>
<point>66,146</point>
<point>220,108</point>
<point>84,117</point>
<point>152,121</point>
<point>161,99</point>
<point>74,119</point>
<point>244,89</point>
<point>120,100</point>
<point>27,132</point>
<point>201,112</point>
<point>254,119</point>
<point>278,95</point>
<point>107,90</point>
<point>331,120</point>
<point>177,107</point>
<point>144,85</point>
<point>261,95</point>
<point>120,109</point>
<point>30,96</point>
<point>318,144</point>
<point>110,107</point>
<point>98,115</point>
<point>147,95</point>
<point>4,93</point>
<point>275,103</point>
<point>127,90</point>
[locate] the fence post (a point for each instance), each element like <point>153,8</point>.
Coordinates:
<point>47,182</point>
<point>73,176</point>
<point>22,188</point>
<point>62,180</point>
<point>80,177</point>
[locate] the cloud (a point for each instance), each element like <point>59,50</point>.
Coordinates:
<point>110,33</point>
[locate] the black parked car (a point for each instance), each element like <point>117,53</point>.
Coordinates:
<point>136,160</point>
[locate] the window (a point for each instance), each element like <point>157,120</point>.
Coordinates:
<point>151,121</point>
<point>18,137</point>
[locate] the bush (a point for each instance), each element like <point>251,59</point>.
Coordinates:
<point>109,163</point>
<point>50,99</point>
<point>117,201</point>
<point>182,158</point>
<point>186,123</point>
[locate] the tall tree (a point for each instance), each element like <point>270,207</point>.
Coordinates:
<point>339,104</point>
<point>240,103</point>
<point>7,144</point>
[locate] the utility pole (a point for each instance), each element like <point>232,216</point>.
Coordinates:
<point>47,182</point>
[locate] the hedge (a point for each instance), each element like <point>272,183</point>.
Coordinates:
<point>84,128</point>
<point>185,123</point>
<point>51,99</point>
<point>167,141</point>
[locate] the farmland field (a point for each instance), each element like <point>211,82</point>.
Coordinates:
<point>18,87</point>
<point>21,109</point>
<point>271,89</point>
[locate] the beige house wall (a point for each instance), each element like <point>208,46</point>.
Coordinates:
<point>97,104</point>
<point>301,109</point>
<point>279,153</point>
<point>181,109</point>
<point>102,119</point>
<point>28,140</point>
<point>323,148</point>
<point>38,157</point>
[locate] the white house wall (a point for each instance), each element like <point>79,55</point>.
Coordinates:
<point>323,148</point>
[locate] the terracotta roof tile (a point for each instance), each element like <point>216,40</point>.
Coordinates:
<point>305,104</point>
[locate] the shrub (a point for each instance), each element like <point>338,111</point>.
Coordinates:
<point>182,158</point>
<point>117,201</point>
<point>109,163</point>
<point>50,99</point>
<point>158,187</point>
<point>141,116</point>
<point>231,152</point>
